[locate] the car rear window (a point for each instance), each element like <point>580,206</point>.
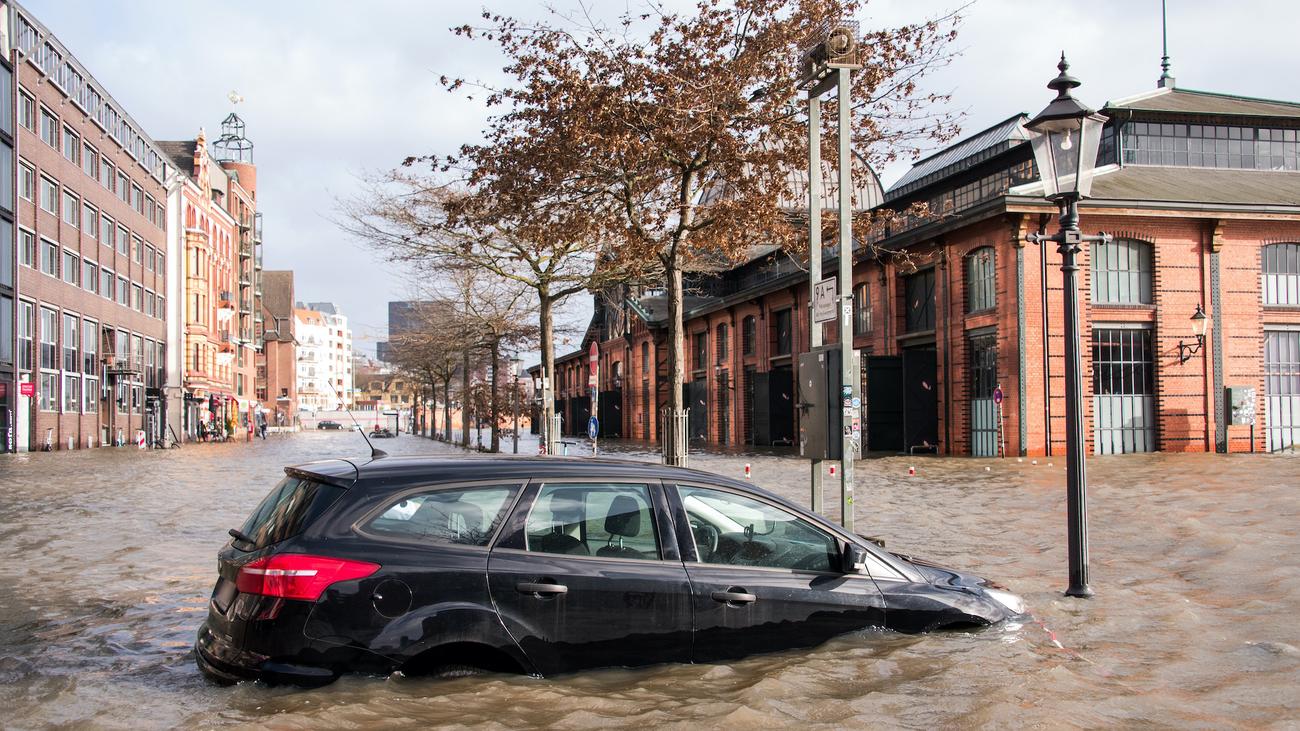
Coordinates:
<point>287,511</point>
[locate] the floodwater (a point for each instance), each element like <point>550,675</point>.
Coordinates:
<point>109,558</point>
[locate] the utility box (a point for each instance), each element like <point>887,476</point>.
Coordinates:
<point>828,410</point>
<point>1241,404</point>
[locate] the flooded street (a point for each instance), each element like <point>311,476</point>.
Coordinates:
<point>110,558</point>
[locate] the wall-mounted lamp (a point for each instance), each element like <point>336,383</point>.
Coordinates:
<point>1199,324</point>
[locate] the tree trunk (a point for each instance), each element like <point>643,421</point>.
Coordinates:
<point>547,315</point>
<point>494,406</point>
<point>465,401</point>
<point>676,363</point>
<point>446,409</point>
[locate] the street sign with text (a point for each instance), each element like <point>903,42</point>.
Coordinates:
<point>824,300</point>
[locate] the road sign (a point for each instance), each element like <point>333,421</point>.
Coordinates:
<point>593,427</point>
<point>27,388</point>
<point>824,300</point>
<point>997,395</point>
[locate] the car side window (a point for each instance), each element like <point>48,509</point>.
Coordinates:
<point>593,519</point>
<point>736,530</point>
<point>467,516</point>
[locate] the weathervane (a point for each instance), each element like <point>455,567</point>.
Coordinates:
<point>234,97</point>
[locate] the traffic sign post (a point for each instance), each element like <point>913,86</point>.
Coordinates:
<point>1002,434</point>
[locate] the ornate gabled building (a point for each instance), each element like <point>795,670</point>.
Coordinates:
<point>958,319</point>
<point>216,243</point>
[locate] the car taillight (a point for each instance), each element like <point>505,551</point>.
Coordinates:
<point>299,576</point>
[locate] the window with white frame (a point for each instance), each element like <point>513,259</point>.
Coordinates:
<point>26,111</point>
<point>71,209</point>
<point>26,248</point>
<point>123,292</point>
<point>26,181</point>
<point>1280,280</point>
<point>71,268</point>
<point>49,386</point>
<point>50,254</point>
<point>71,146</point>
<point>90,220</point>
<point>90,276</point>
<point>106,282</point>
<point>1122,273</point>
<point>49,196</point>
<point>49,128</point>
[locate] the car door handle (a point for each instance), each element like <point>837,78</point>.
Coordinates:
<point>528,587</point>
<point>734,596</point>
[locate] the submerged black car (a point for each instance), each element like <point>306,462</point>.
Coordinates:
<point>545,566</point>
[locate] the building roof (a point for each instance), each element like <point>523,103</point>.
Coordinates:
<point>1189,101</point>
<point>1189,185</point>
<point>180,152</point>
<point>310,317</point>
<point>961,155</point>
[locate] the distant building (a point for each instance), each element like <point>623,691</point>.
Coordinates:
<point>324,357</point>
<point>277,370</point>
<point>403,317</point>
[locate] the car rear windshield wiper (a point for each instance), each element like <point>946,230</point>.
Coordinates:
<point>239,535</point>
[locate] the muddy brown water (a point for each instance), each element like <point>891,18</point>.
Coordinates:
<point>109,557</point>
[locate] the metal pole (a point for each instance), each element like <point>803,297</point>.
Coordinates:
<point>848,380</point>
<point>815,254</point>
<point>517,399</point>
<point>1076,476</point>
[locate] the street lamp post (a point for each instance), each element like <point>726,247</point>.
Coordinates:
<point>1065,137</point>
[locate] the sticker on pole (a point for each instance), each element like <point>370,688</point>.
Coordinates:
<point>593,427</point>
<point>824,300</point>
<point>997,395</point>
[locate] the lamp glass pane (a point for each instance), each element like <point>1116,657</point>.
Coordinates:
<point>1089,141</point>
<point>1042,145</point>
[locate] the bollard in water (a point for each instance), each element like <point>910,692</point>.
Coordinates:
<point>747,475</point>
<point>911,470</point>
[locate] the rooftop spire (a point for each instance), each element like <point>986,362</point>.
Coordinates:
<point>1165,80</point>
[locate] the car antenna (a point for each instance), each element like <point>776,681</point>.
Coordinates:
<point>374,453</point>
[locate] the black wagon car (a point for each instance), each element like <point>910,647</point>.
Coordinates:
<point>545,566</point>
<point>328,424</point>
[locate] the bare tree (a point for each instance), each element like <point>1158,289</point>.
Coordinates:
<point>673,134</point>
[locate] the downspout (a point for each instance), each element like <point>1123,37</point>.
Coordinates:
<point>947,350</point>
<point>1047,347</point>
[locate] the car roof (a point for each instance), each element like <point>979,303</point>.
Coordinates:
<point>405,470</point>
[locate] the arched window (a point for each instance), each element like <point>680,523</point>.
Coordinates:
<point>980,280</point>
<point>1121,273</point>
<point>747,333</point>
<point>1281,274</point>
<point>862,309</point>
<point>722,341</point>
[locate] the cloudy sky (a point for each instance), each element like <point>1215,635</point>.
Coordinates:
<point>334,89</point>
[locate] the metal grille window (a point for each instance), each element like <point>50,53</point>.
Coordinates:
<point>1282,388</point>
<point>782,337</point>
<point>1121,273</point>
<point>1123,387</point>
<point>721,344</point>
<point>862,309</point>
<point>983,380</point>
<point>1280,280</point>
<point>700,347</point>
<point>724,407</point>
<point>747,328</point>
<point>919,290</point>
<point>1210,146</point>
<point>645,358</point>
<point>980,280</point>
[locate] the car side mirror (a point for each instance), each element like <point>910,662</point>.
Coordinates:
<point>853,558</point>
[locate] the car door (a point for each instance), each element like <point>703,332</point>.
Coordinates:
<point>588,574</point>
<point>763,578</point>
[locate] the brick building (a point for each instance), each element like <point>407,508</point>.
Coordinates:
<point>91,256</point>
<point>277,364</point>
<point>1202,194</point>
